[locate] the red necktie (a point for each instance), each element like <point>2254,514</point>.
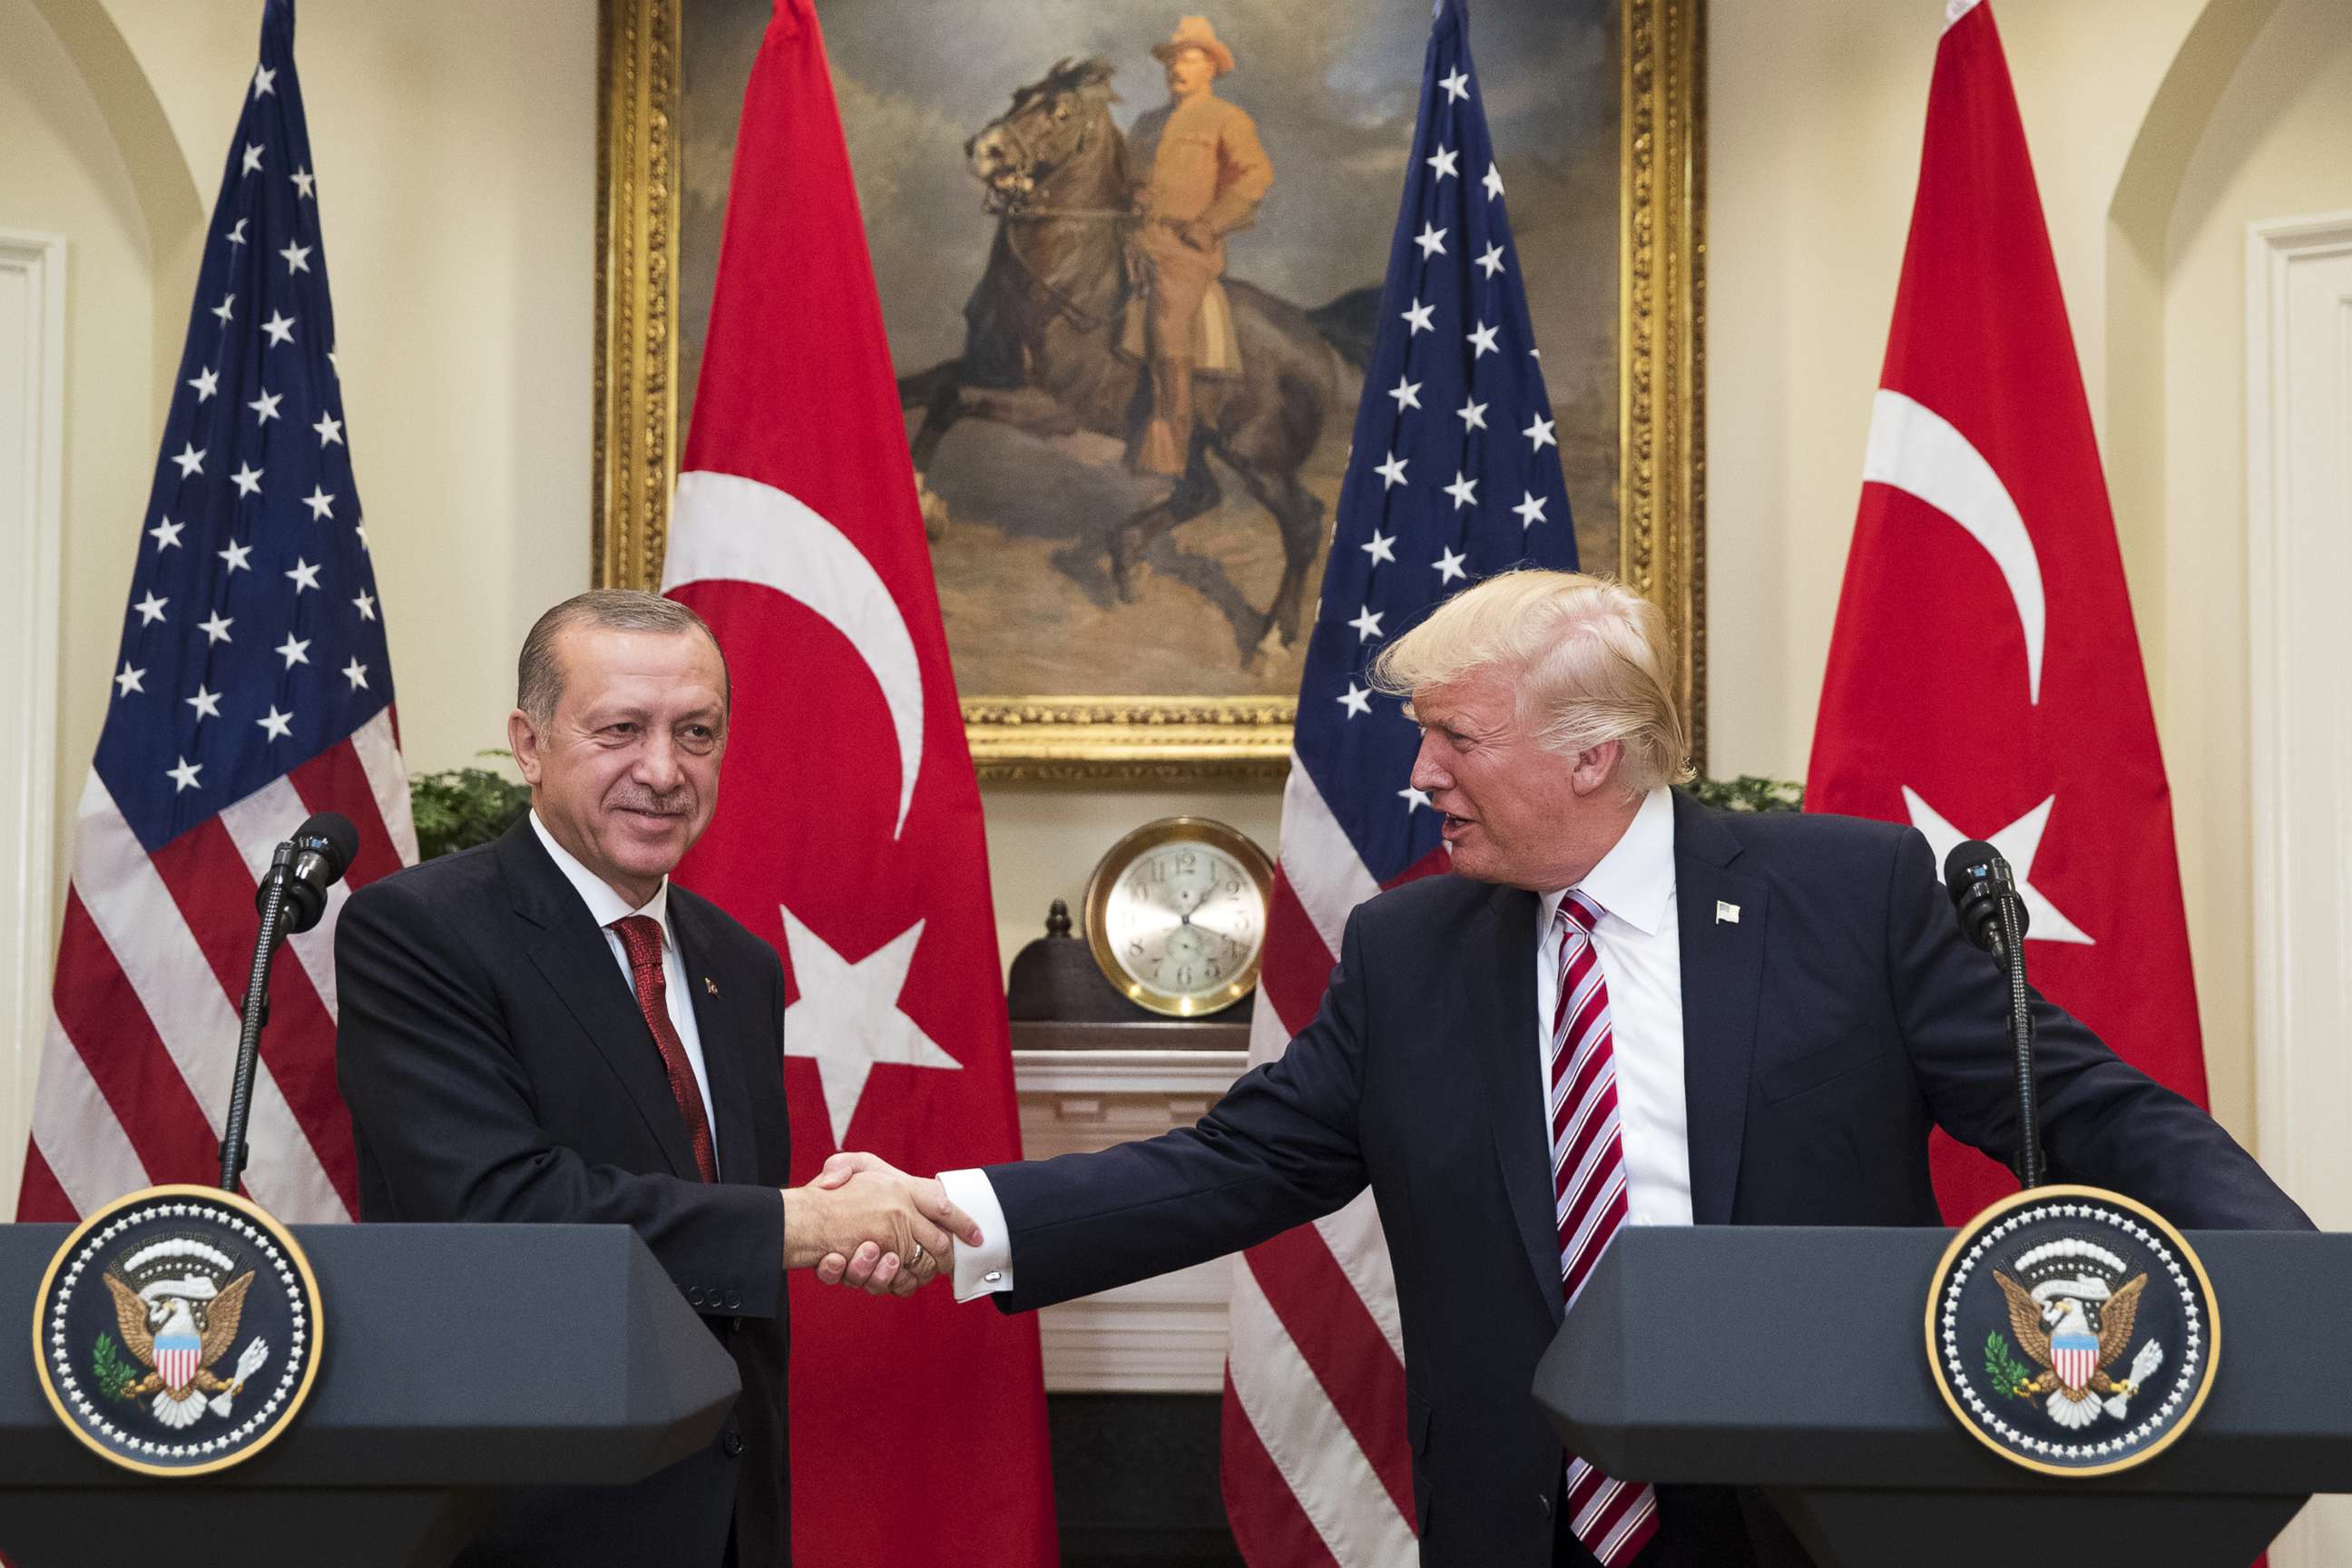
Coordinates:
<point>641,938</point>
<point>1613,1519</point>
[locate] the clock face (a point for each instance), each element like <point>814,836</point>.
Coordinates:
<point>1180,922</point>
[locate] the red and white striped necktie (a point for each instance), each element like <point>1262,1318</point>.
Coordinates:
<point>1614,1520</point>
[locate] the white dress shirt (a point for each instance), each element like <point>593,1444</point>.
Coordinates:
<point>605,907</point>
<point>1640,946</point>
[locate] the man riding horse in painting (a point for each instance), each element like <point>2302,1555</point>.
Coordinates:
<point>1204,174</point>
<point>1101,308</point>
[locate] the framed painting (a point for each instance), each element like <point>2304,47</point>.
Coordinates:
<point>1085,647</point>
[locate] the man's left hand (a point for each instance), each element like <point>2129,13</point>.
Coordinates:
<point>1196,233</point>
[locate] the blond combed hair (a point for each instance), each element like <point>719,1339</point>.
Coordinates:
<point>1591,659</point>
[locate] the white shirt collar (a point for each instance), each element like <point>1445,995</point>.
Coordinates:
<point>605,905</point>
<point>1635,880</point>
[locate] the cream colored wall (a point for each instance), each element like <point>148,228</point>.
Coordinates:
<point>2279,145</point>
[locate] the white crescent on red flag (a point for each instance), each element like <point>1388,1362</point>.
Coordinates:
<point>1984,678</point>
<point>849,831</point>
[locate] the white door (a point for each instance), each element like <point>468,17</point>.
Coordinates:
<point>2299,524</point>
<point>32,475</point>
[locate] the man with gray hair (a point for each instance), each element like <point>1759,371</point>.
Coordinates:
<point>1618,1009</point>
<point>544,1029</point>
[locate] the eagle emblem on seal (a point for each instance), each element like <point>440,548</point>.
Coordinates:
<point>178,1304</point>
<point>2071,1311</point>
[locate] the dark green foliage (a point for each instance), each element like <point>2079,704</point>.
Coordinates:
<point>1747,792</point>
<point>2008,1374</point>
<point>464,807</point>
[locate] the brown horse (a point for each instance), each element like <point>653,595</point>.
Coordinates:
<point>1040,351</point>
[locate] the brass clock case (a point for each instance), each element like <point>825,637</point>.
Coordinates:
<point>1232,936</point>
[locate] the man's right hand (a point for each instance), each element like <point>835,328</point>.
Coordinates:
<point>865,1224</point>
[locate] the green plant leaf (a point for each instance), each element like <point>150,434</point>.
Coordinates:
<point>460,808</point>
<point>1748,792</point>
<point>113,1371</point>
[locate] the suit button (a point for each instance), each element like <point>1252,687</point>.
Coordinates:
<point>734,1325</point>
<point>694,1296</point>
<point>734,1302</point>
<point>732,1443</point>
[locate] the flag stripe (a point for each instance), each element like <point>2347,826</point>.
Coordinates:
<point>1309,1444</point>
<point>93,1160</point>
<point>1361,1251</point>
<point>336,779</point>
<point>40,1200</point>
<point>207,880</point>
<point>134,911</point>
<point>377,741</point>
<point>1320,859</point>
<point>105,1027</point>
<point>1268,1525</point>
<point>1345,1350</point>
<point>1296,965</point>
<point>257,825</point>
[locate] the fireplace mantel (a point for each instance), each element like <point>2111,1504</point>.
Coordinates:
<point>1088,1085</point>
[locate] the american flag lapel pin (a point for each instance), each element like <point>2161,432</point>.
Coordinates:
<point>710,985</point>
<point>1726,914</point>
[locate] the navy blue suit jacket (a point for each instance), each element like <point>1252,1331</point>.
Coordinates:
<point>498,1069</point>
<point>1825,1033</point>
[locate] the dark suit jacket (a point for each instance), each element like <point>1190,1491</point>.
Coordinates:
<point>1823,1034</point>
<point>496,1069</point>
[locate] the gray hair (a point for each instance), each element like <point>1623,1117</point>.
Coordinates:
<point>1592,658</point>
<point>539,673</point>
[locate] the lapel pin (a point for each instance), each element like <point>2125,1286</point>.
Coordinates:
<point>712,985</point>
<point>1726,914</point>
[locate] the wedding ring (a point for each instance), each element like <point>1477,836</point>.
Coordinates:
<point>915,1258</point>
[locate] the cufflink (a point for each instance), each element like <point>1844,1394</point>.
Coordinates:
<point>993,1277</point>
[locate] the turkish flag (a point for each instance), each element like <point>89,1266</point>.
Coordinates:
<point>849,835</point>
<point>1984,678</point>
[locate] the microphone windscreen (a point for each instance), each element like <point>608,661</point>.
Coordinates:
<point>1968,865</point>
<point>331,833</point>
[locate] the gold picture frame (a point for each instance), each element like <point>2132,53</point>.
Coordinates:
<point>1660,476</point>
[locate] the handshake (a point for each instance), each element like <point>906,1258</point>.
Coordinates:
<point>863,1223</point>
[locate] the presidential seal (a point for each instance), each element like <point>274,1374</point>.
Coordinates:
<point>177,1331</point>
<point>2072,1331</point>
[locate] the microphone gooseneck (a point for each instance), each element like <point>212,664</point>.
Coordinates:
<point>291,898</point>
<point>1993,917</point>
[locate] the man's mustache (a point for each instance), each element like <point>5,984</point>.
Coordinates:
<point>677,802</point>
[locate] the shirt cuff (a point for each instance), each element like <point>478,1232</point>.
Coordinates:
<point>985,1269</point>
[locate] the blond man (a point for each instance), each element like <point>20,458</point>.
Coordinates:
<point>1764,1017</point>
<point>1204,174</point>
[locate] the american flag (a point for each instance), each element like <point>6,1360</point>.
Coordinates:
<point>252,688</point>
<point>1454,475</point>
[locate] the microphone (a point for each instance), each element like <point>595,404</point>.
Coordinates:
<point>1978,879</point>
<point>1993,916</point>
<point>306,866</point>
<point>291,898</point>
